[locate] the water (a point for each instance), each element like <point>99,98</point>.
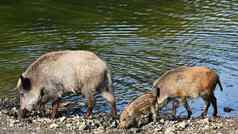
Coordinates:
<point>139,39</point>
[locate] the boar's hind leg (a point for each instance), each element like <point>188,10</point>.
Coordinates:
<point>111,99</point>
<point>214,104</point>
<point>90,105</point>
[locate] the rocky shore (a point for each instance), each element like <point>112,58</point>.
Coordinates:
<point>103,123</point>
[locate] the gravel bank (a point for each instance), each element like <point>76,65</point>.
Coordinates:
<point>103,123</point>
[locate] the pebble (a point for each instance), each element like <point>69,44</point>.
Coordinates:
<point>113,124</point>
<point>161,121</point>
<point>99,130</point>
<point>102,123</point>
<point>182,125</point>
<point>4,111</point>
<point>158,129</point>
<point>206,120</point>
<point>68,125</point>
<point>205,127</point>
<point>53,125</point>
<point>82,126</point>
<point>11,123</point>
<point>62,119</point>
<point>170,130</point>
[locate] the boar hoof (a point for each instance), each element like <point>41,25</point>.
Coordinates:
<point>87,115</point>
<point>22,114</point>
<point>215,116</point>
<point>52,116</point>
<point>203,115</point>
<point>189,115</point>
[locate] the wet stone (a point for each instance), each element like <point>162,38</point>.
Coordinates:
<point>161,121</point>
<point>182,125</point>
<point>170,130</point>
<point>83,126</point>
<point>53,125</point>
<point>62,119</point>
<point>103,123</point>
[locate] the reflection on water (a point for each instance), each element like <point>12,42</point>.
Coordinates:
<point>139,39</point>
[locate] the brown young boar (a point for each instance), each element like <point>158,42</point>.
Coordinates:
<point>56,73</point>
<point>133,112</point>
<point>187,82</point>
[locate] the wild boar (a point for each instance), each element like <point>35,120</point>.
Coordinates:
<point>187,82</point>
<point>133,112</point>
<point>56,73</point>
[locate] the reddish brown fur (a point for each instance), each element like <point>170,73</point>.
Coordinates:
<point>185,82</point>
<point>141,105</point>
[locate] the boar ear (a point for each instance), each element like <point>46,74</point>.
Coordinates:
<point>26,83</point>
<point>156,91</point>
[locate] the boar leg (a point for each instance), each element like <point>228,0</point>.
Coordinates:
<point>214,104</point>
<point>161,102</point>
<point>111,99</point>
<point>90,106</point>
<point>55,106</point>
<point>154,113</point>
<point>42,109</point>
<point>175,105</point>
<point>185,103</point>
<point>207,103</point>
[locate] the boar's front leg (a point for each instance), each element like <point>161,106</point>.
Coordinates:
<point>154,113</point>
<point>111,99</point>
<point>42,109</point>
<point>183,100</point>
<point>186,105</point>
<point>175,105</point>
<point>90,106</point>
<point>55,106</point>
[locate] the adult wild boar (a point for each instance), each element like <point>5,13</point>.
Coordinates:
<point>132,113</point>
<point>187,82</point>
<point>56,73</point>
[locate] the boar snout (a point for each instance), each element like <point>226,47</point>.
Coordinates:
<point>127,123</point>
<point>123,125</point>
<point>124,122</point>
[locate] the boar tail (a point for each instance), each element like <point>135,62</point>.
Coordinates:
<point>109,81</point>
<point>219,83</point>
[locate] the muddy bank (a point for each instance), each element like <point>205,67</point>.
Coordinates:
<point>103,123</point>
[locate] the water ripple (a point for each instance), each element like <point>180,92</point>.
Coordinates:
<point>140,40</point>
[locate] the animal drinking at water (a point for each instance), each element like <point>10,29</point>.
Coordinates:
<point>134,111</point>
<point>56,73</point>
